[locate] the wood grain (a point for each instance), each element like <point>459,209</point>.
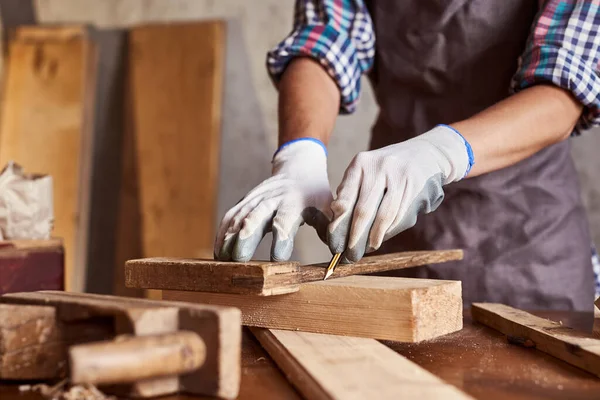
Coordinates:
<point>402,309</point>
<point>173,119</point>
<point>324,367</point>
<point>46,126</point>
<point>261,278</point>
<point>574,347</point>
<point>219,328</point>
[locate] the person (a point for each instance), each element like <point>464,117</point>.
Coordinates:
<point>469,150</point>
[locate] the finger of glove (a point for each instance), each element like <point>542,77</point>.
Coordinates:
<point>341,208</point>
<point>320,216</point>
<point>254,228</point>
<point>285,226</point>
<point>386,215</point>
<point>363,218</point>
<point>231,225</point>
<point>428,199</point>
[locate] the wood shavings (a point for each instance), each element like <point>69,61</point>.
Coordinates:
<point>62,391</point>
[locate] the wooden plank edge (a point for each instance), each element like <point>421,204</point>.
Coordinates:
<point>525,329</point>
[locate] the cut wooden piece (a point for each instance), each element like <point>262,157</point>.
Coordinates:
<point>596,326</point>
<point>28,265</point>
<point>520,327</point>
<point>338,367</point>
<point>46,125</point>
<point>261,278</point>
<point>129,359</point>
<point>402,309</point>
<point>30,343</point>
<point>219,328</point>
<point>172,138</point>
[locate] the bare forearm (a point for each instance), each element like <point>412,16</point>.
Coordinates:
<point>519,126</point>
<point>308,102</point>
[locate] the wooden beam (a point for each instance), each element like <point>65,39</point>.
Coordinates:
<point>336,367</point>
<point>46,126</point>
<point>574,347</point>
<point>172,138</point>
<point>261,278</point>
<point>402,309</point>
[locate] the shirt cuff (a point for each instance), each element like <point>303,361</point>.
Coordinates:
<point>567,70</point>
<point>331,48</point>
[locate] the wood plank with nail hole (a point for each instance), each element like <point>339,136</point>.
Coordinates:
<point>326,367</point>
<point>261,278</point>
<point>401,309</point>
<point>578,348</point>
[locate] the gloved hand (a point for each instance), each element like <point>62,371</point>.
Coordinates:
<point>297,192</point>
<point>384,190</point>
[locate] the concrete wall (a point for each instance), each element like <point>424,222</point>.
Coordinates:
<point>250,102</point>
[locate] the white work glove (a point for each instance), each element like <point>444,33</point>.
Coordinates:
<point>384,190</point>
<point>297,192</point>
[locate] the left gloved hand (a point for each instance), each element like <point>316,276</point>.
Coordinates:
<point>384,190</point>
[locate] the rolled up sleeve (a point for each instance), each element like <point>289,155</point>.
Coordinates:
<point>336,33</point>
<point>563,49</point>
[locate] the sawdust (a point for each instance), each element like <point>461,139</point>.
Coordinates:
<point>63,391</point>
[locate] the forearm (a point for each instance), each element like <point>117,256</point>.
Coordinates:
<point>519,126</point>
<point>309,101</point>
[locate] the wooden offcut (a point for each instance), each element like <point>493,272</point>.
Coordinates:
<point>574,347</point>
<point>172,137</point>
<point>402,309</point>
<point>218,327</point>
<point>327,367</point>
<point>261,278</point>
<point>46,125</point>
<point>29,265</point>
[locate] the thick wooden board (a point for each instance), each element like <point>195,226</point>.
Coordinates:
<point>172,135</point>
<point>46,125</point>
<point>324,367</point>
<point>28,265</point>
<point>575,347</point>
<point>219,327</point>
<point>402,309</point>
<point>261,278</point>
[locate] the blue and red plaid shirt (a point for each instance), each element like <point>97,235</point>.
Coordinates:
<point>563,49</point>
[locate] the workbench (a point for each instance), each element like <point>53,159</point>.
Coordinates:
<point>478,360</point>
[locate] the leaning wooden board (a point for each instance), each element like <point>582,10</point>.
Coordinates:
<point>46,125</point>
<point>520,327</point>
<point>261,278</point>
<point>388,308</point>
<point>329,367</point>
<point>171,141</point>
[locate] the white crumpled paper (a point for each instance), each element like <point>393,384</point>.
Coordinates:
<point>26,204</point>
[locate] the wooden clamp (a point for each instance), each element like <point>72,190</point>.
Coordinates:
<point>155,347</point>
<point>261,278</point>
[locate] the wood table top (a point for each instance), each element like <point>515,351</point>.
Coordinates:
<point>478,360</point>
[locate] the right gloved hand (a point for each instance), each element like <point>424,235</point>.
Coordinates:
<point>298,192</point>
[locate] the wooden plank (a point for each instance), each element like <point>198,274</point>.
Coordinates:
<point>46,126</point>
<point>219,328</point>
<point>572,346</point>
<point>402,309</point>
<point>173,131</point>
<point>28,265</point>
<point>337,367</point>
<point>261,278</point>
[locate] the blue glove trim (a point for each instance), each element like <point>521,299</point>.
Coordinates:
<point>467,145</point>
<point>317,141</point>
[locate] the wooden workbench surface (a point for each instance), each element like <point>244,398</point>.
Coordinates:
<point>477,360</point>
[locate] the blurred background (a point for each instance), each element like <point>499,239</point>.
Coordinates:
<point>248,115</point>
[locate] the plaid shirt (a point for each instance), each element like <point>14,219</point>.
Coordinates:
<point>563,49</point>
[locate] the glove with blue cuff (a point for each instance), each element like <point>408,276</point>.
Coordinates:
<point>298,192</point>
<point>383,191</point>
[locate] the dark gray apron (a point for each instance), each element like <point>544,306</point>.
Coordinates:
<point>523,228</point>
